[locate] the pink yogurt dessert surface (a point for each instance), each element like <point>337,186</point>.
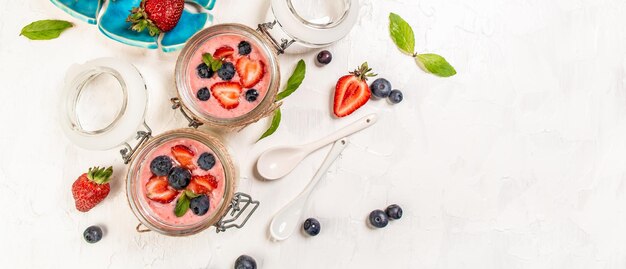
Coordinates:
<point>165,211</point>
<point>256,55</point>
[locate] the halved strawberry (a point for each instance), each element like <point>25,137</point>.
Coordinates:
<point>184,156</point>
<point>223,52</point>
<point>352,91</point>
<point>227,93</point>
<point>250,72</point>
<point>202,184</point>
<point>157,190</point>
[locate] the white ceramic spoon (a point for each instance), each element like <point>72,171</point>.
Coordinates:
<point>288,219</point>
<point>277,162</point>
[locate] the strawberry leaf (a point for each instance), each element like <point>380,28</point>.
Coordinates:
<point>401,34</point>
<point>294,81</point>
<point>182,205</point>
<point>45,29</point>
<point>435,64</point>
<point>273,126</point>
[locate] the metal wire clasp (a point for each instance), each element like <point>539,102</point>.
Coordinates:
<point>237,207</point>
<point>128,151</point>
<point>279,46</point>
<point>193,122</point>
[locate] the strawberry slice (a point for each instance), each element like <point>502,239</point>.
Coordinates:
<point>227,94</point>
<point>223,52</point>
<point>352,91</point>
<point>250,72</point>
<point>184,156</point>
<point>202,184</point>
<point>157,190</point>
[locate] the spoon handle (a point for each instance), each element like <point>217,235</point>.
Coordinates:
<point>354,127</point>
<point>286,220</point>
<point>332,155</point>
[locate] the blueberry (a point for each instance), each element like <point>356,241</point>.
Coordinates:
<point>324,57</point>
<point>204,71</point>
<point>394,212</point>
<point>378,218</point>
<point>227,71</point>
<point>395,96</point>
<point>206,161</point>
<point>311,226</point>
<point>92,234</point>
<point>199,205</point>
<point>203,94</point>
<point>161,165</point>
<point>245,262</point>
<point>179,178</point>
<point>244,48</point>
<point>380,88</point>
<point>252,95</point>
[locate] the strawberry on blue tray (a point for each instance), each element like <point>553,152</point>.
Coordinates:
<point>112,22</point>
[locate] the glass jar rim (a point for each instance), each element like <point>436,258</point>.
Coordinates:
<point>184,91</point>
<point>146,216</point>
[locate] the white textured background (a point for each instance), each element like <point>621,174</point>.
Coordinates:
<point>516,162</point>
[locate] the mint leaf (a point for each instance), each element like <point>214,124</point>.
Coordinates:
<point>190,194</point>
<point>401,34</point>
<point>45,29</point>
<point>273,126</point>
<point>210,61</point>
<point>294,80</point>
<point>182,205</point>
<point>435,64</point>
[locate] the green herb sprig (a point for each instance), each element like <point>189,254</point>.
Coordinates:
<point>293,84</point>
<point>45,29</point>
<point>404,38</point>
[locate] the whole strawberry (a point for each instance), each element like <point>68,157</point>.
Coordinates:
<point>156,15</point>
<point>91,188</point>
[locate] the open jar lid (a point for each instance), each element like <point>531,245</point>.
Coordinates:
<point>103,103</point>
<point>315,23</point>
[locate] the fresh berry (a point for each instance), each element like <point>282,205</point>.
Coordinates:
<point>202,184</point>
<point>250,72</point>
<point>156,15</point>
<point>394,212</point>
<point>179,178</point>
<point>161,165</point>
<point>252,95</point>
<point>91,188</point>
<point>245,262</point>
<point>227,94</point>
<point>184,156</point>
<point>227,71</point>
<point>380,88</point>
<point>206,161</point>
<point>244,48</point>
<point>157,190</point>
<point>311,226</point>
<point>204,71</point>
<point>378,218</point>
<point>199,205</point>
<point>324,57</point>
<point>395,96</point>
<point>92,234</point>
<point>203,94</point>
<point>352,91</point>
<point>223,52</point>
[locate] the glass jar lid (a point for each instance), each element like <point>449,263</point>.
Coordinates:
<point>103,103</point>
<point>315,23</point>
